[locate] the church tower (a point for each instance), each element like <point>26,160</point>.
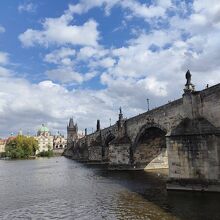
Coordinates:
<point>72,132</point>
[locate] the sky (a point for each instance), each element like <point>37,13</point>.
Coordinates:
<point>86,58</point>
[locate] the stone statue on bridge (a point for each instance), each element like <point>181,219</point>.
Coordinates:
<point>188,78</point>
<point>189,87</point>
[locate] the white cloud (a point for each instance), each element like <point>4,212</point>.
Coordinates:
<point>61,56</point>
<point>85,5</point>
<point>2,29</point>
<point>4,72</point>
<point>27,106</point>
<point>137,9</point>
<point>154,86</point>
<point>65,74</point>
<point>137,63</point>
<point>3,58</point>
<point>130,73</point>
<point>27,7</point>
<point>205,56</point>
<point>144,11</point>
<point>202,44</point>
<point>86,53</point>
<point>107,62</point>
<point>59,31</point>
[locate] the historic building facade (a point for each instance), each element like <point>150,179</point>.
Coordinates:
<point>2,145</point>
<point>44,138</point>
<point>59,141</point>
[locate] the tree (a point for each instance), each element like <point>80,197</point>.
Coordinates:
<point>21,147</point>
<point>44,153</point>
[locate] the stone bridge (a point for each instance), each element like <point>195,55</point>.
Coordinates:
<point>183,135</point>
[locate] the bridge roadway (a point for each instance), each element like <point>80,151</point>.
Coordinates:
<point>183,136</point>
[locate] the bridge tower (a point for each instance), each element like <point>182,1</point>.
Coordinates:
<point>72,132</point>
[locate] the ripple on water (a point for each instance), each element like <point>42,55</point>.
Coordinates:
<point>57,209</point>
<point>68,210</point>
<point>45,189</point>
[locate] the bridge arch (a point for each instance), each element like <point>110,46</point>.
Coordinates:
<point>105,150</point>
<point>149,146</point>
<point>109,138</point>
<point>144,128</point>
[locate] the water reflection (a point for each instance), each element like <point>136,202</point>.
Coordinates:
<point>59,188</point>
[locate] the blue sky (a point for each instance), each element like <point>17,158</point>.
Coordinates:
<point>86,58</point>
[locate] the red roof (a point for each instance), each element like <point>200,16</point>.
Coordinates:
<point>3,141</point>
<point>11,138</point>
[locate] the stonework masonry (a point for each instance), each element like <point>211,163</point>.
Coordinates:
<point>182,135</point>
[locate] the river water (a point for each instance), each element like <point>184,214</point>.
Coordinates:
<point>59,188</point>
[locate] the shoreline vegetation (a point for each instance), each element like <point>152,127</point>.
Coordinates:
<point>23,147</point>
<point>48,153</point>
<point>45,155</point>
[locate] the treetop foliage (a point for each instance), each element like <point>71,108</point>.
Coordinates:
<point>21,147</point>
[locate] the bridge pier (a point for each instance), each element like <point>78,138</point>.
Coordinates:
<point>119,154</point>
<point>95,153</point>
<point>193,155</point>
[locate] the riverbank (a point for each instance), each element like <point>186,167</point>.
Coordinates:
<point>31,157</point>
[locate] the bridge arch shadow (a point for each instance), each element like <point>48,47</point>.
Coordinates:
<point>149,148</point>
<point>105,150</point>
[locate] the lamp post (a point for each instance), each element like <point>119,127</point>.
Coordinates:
<point>148,105</point>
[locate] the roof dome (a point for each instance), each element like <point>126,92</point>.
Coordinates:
<point>43,129</point>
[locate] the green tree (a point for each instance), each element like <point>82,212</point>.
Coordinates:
<point>48,153</point>
<point>21,147</point>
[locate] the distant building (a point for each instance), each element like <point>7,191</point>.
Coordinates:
<point>44,138</point>
<point>2,145</point>
<point>59,142</point>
